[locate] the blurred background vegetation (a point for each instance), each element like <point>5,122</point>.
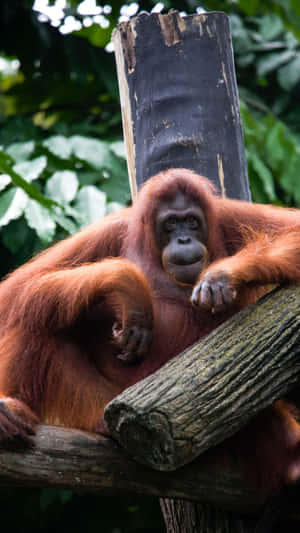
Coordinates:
<point>62,162</point>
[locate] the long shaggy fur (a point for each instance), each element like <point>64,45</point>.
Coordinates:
<point>58,358</point>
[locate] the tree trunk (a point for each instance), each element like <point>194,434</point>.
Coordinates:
<point>187,517</point>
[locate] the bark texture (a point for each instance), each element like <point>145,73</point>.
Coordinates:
<point>209,392</point>
<point>186,517</point>
<point>72,459</point>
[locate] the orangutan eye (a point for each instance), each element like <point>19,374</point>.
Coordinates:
<point>192,222</point>
<point>170,223</point>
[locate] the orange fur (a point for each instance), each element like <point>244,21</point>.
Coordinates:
<point>58,355</point>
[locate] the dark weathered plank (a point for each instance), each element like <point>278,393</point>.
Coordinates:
<point>179,98</point>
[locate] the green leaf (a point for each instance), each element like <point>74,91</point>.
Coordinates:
<point>12,205</point>
<point>21,151</point>
<point>5,160</point>
<point>116,186</point>
<point>91,203</point>
<point>273,61</point>
<point>96,35</point>
<point>270,26</point>
<point>118,147</point>
<point>59,145</point>
<point>257,192</point>
<point>4,181</point>
<point>295,6</point>
<point>88,177</point>
<point>15,235</point>
<point>31,170</point>
<point>240,35</point>
<point>249,6</point>
<point>245,60</point>
<point>265,176</point>
<point>65,222</point>
<point>289,180</point>
<point>289,75</point>
<point>113,207</point>
<point>62,186</point>
<point>291,41</point>
<point>94,152</point>
<point>274,145</point>
<point>41,220</point>
<point>32,191</point>
<point>254,130</point>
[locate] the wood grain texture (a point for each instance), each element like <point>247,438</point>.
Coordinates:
<point>77,460</point>
<point>179,98</point>
<point>209,392</point>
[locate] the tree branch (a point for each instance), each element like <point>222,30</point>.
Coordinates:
<point>77,460</point>
<point>209,392</point>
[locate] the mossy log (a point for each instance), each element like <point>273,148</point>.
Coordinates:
<point>210,391</point>
<point>81,461</point>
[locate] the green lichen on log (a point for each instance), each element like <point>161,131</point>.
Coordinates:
<point>209,392</point>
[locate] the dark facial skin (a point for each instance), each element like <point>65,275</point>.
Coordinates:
<point>181,231</point>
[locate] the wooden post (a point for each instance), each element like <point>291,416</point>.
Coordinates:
<point>179,99</point>
<point>180,109</point>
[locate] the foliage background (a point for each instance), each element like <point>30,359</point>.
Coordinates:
<point>62,161</point>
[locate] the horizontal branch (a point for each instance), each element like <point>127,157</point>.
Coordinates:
<point>72,459</point>
<point>210,391</point>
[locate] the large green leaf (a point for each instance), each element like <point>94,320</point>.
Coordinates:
<point>21,151</point>
<point>32,191</point>
<point>275,146</point>
<point>289,180</point>
<point>4,181</point>
<point>240,34</point>
<point>31,170</point>
<point>257,192</point>
<point>289,75</point>
<point>41,220</point>
<point>59,145</point>
<point>91,203</point>
<point>116,186</point>
<point>89,177</point>
<point>92,151</point>
<point>15,235</point>
<point>12,205</point>
<point>118,147</point>
<point>273,61</point>
<point>62,186</point>
<point>270,26</point>
<point>265,176</point>
<point>65,222</point>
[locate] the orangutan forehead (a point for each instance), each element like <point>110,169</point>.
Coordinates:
<point>179,201</point>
